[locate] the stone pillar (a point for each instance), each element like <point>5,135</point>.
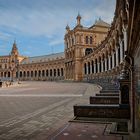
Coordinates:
<point>113,64</point>
<point>94,67</point>
<point>125,38</point>
<point>109,62</point>
<point>116,56</point>
<point>121,51</point>
<point>98,64</point>
<point>102,66</point>
<point>87,67</point>
<point>105,64</point>
<point>91,68</point>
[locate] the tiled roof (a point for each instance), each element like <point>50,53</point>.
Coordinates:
<point>42,58</point>
<point>100,22</point>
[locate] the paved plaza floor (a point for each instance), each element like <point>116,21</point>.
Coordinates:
<point>35,110</point>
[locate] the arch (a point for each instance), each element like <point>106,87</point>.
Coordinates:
<point>24,74</point>
<point>103,59</point>
<point>39,73</point>
<point>35,73</point>
<point>47,73</point>
<point>100,64</point>
<point>54,72</point>
<point>92,65</point>
<point>43,73</point>
<point>5,73</point>
<point>28,74</point>
<point>96,66</point>
<point>20,74</point>
<point>88,51</point>
<point>85,68</point>
<point>62,72</point>
<point>9,74</point>
<point>91,39</point>
<point>86,39</point>
<point>32,74</point>
<point>88,67</point>
<point>58,72</point>
<point>50,72</point>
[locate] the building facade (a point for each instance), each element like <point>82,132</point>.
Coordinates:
<point>68,65</point>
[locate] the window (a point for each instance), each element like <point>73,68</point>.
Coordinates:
<point>88,51</point>
<point>91,39</point>
<point>86,39</point>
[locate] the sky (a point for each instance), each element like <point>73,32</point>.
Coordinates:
<point>38,26</point>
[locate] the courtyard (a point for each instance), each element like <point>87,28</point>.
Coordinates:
<point>35,110</point>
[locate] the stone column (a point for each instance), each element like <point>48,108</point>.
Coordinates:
<point>125,38</point>
<point>91,68</point>
<point>109,62</point>
<point>105,64</point>
<point>102,66</point>
<point>95,68</point>
<point>121,51</point>
<point>98,64</point>
<point>116,56</point>
<point>87,67</point>
<point>113,64</point>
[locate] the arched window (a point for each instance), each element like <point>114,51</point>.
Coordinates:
<point>20,74</point>
<point>91,40</point>
<point>86,39</point>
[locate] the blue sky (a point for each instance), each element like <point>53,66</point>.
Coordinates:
<point>39,25</point>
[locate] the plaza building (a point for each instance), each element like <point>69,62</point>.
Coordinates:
<point>79,43</point>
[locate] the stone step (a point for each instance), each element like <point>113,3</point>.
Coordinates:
<point>102,111</point>
<point>109,91</point>
<point>107,94</point>
<point>104,100</point>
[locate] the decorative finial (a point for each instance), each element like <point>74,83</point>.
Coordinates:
<point>67,27</point>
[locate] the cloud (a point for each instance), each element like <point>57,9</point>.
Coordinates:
<point>34,19</point>
<point>5,36</point>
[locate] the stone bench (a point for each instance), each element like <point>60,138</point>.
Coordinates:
<point>104,100</point>
<point>102,111</point>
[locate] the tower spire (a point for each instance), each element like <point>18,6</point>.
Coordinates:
<point>14,48</point>
<point>78,19</point>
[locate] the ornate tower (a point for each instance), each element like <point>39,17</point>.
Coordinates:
<point>13,63</point>
<point>79,42</point>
